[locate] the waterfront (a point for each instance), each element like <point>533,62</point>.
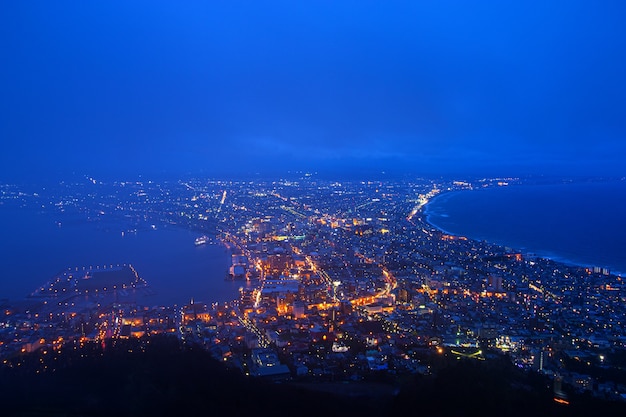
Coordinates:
<point>579,223</point>
<point>34,248</point>
<point>357,286</point>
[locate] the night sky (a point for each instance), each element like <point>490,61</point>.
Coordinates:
<point>118,88</point>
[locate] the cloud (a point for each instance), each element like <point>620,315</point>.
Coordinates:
<point>221,86</point>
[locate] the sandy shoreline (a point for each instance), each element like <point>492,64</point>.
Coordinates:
<point>555,257</point>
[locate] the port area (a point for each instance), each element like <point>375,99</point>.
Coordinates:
<point>81,289</point>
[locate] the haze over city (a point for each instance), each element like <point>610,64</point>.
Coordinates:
<point>238,88</point>
<point>312,208</point>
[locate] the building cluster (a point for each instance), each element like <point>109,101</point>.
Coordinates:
<point>349,280</point>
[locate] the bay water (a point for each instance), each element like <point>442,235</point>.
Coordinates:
<point>576,223</point>
<point>36,246</point>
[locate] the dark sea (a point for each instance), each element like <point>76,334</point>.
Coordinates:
<point>35,246</point>
<point>576,223</point>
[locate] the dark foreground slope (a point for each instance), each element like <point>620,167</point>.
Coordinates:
<point>163,378</point>
<point>495,388</point>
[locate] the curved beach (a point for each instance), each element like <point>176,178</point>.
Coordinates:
<point>575,224</point>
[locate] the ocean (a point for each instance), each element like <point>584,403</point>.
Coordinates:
<point>36,246</point>
<point>576,223</point>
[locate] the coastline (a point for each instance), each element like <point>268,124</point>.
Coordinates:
<point>159,254</point>
<point>550,254</point>
<point>427,214</point>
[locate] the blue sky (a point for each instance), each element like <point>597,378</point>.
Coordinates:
<point>229,88</point>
